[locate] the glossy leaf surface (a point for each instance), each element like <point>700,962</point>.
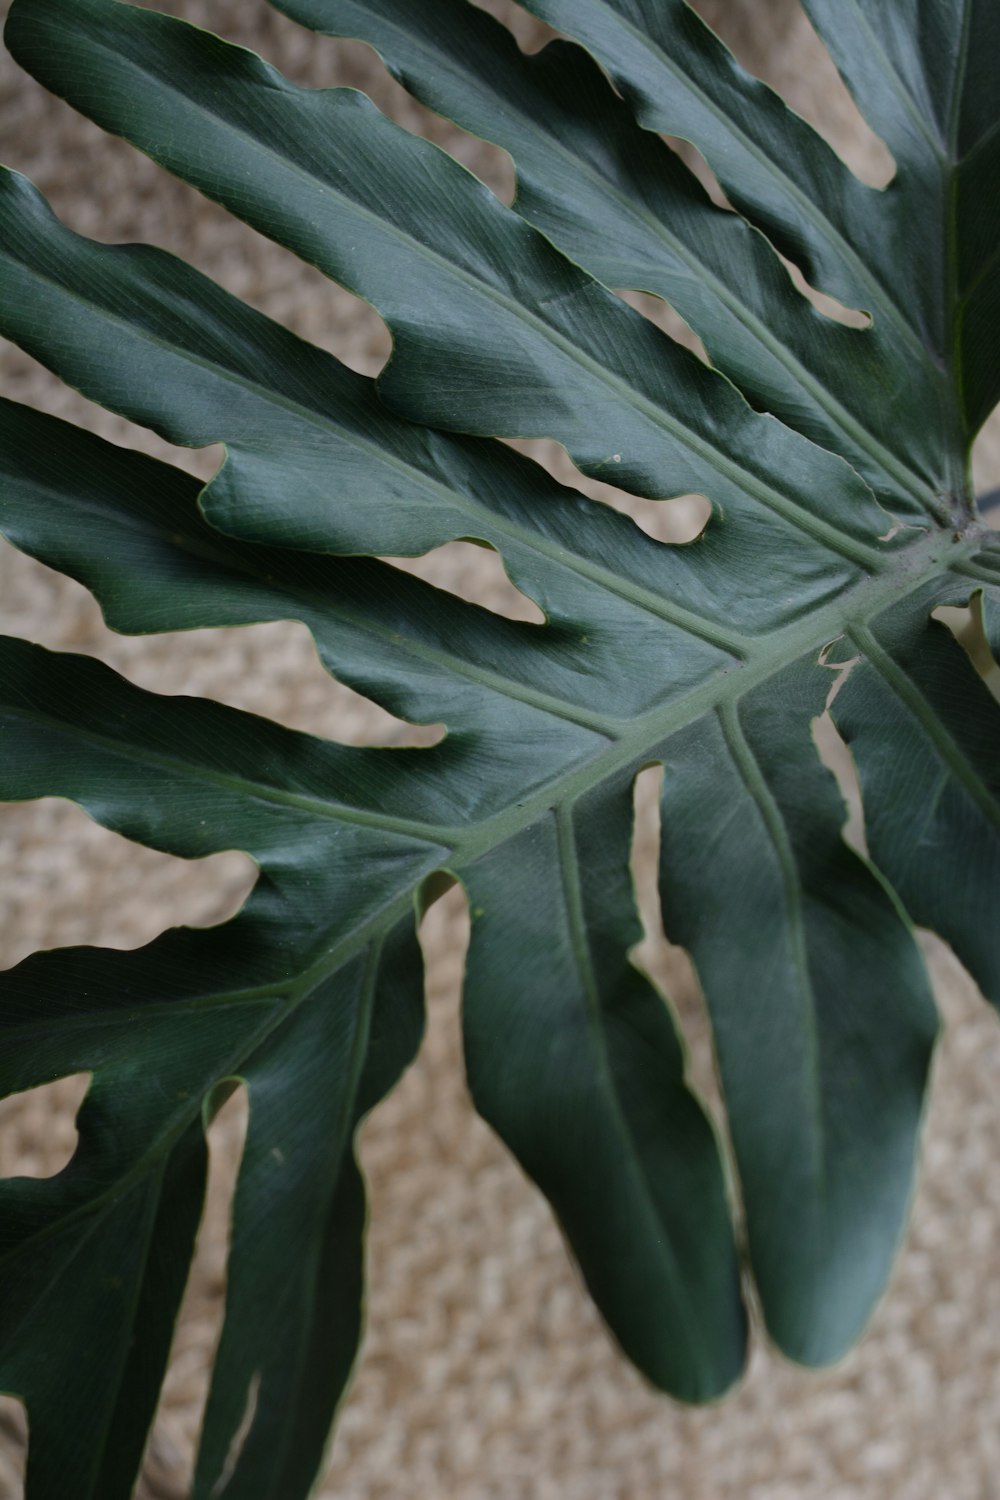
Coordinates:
<point>834,460</point>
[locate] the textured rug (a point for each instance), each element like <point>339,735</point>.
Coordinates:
<point>485,1373</point>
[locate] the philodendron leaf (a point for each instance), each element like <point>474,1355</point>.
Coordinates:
<point>835,463</point>
<point>622,204</point>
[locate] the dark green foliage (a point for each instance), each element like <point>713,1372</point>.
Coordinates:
<point>835,460</point>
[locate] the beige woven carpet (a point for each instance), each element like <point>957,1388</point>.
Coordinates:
<point>485,1375</point>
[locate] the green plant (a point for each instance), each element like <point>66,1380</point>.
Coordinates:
<point>835,459</point>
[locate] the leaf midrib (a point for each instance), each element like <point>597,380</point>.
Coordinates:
<point>776,652</point>
<point>646,731</point>
<point>652,730</point>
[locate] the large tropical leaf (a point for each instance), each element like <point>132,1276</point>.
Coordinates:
<point>835,461</point>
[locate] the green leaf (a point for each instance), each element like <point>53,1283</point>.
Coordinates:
<point>835,463</point>
<point>619,202</point>
<point>927,86</point>
<point>933,806</point>
<point>84,1288</point>
<point>297,965</point>
<point>455,275</point>
<point>923,74</point>
<point>318,1023</point>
